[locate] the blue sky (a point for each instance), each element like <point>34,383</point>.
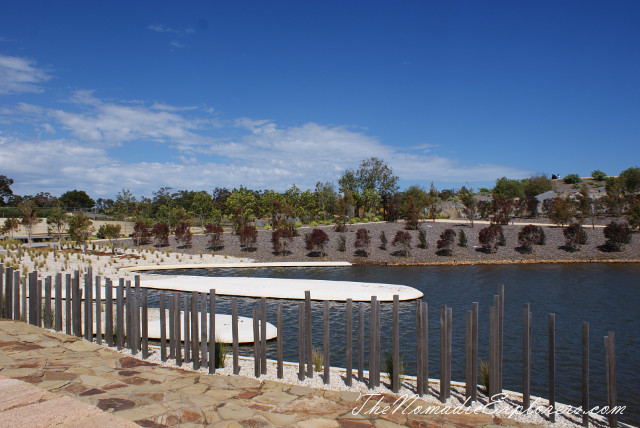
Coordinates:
<point>102,96</point>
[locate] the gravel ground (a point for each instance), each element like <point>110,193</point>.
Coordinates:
<point>553,250</point>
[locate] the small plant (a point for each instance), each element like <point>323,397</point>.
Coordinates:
<point>462,239</point>
<point>316,240</point>
<point>484,377</point>
<point>248,237</point>
<point>383,241</point>
<point>616,235</point>
<point>281,238</point>
<point>362,242</point>
<point>529,236</point>
<point>446,241</point>
<point>318,359</point>
<point>221,350</point>
<point>598,175</point>
<point>402,239</point>
<point>489,238</point>
<point>574,236</point>
<point>422,239</point>
<point>387,367</point>
<point>342,244</point>
<point>572,179</point>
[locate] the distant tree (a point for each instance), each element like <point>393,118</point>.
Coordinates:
<point>183,234</point>
<point>202,207</point>
<point>508,188</point>
<point>633,215</point>
<point>363,241</point>
<point>10,226</point>
<point>631,179</point>
<point>584,206</point>
<point>502,210</point>
<point>489,238</point>
<point>248,237</point>
<point>215,233</point>
<point>412,213</point>
<point>80,229</point>
<point>374,173</point>
<point>110,232</point>
<point>422,239</point>
<point>393,209</point>
<point>574,236</point>
<point>529,236</point>
<point>280,239</point>
<point>562,210</point>
<point>161,233</point>
<point>403,240</point>
<point>383,240</point>
<point>141,234</point>
<point>57,223</point>
<point>446,242</point>
<point>76,199</point>
<point>616,235</point>
<point>316,240</point>
<point>469,203</point>
<point>370,201</point>
<point>462,239</point>
<point>327,198</point>
<point>241,206</point>
<point>572,179</point>
<point>342,243</point>
<point>29,217</point>
<point>598,175</point>
<point>5,188</point>
<point>484,209</point>
<point>614,199</point>
<point>124,205</point>
<point>536,185</point>
<point>432,202</point>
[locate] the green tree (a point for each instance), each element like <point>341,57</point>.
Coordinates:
<point>572,179</point>
<point>508,188</point>
<point>326,197</point>
<point>374,173</point>
<point>5,188</point>
<point>80,228</point>
<point>562,210</point>
<point>432,202</point>
<point>202,207</point>
<point>110,232</point>
<point>124,206</point>
<point>598,175</point>
<point>29,217</point>
<point>370,200</point>
<point>469,203</point>
<point>536,185</point>
<point>57,223</point>
<point>241,205</point>
<point>614,200</point>
<point>76,199</point>
<point>10,226</point>
<point>631,179</point>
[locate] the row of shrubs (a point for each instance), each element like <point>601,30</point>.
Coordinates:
<point>316,241</point>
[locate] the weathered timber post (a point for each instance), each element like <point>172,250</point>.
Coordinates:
<point>327,343</point>
<point>144,324</point>
<point>308,333</point>
<point>301,341</point>
<point>257,356</point>
<point>234,333</point>
<point>163,328</point>
<point>58,304</point>
<point>585,374</point>
<point>395,381</point>
<point>280,367</point>
<point>212,331</point>
<point>349,354</point>
<point>98,295</point>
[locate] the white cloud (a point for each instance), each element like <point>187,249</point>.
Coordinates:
<point>19,75</point>
<point>198,152</point>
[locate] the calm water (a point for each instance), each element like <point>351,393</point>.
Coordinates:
<point>607,296</point>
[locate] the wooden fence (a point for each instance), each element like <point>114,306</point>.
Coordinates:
<point>190,337</point>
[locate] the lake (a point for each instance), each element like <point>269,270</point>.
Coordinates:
<point>605,295</point>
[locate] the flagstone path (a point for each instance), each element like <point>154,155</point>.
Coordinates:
<point>90,385</point>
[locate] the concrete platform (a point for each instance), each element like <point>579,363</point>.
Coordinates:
<point>235,265</point>
<point>277,288</point>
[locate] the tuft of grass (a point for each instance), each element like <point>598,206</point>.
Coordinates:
<point>221,354</point>
<point>484,377</point>
<point>318,359</point>
<point>387,367</point>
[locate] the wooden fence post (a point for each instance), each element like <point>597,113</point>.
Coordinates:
<point>120,329</point>
<point>67,304</point>
<point>144,324</point>
<point>135,323</point>
<point>526,359</point>
<point>187,328</point>
<point>33,298</point>
<point>88,308</point>
<point>280,367</point>
<point>395,381</point>
<point>128,314</point>
<point>8,293</point>
<point>47,302</point>
<point>349,354</point>
<point>23,299</point>
<point>108,311</point>
<point>474,351</point>
<point>419,377</point>
<point>163,328</point>
<point>361,341</point>
<point>195,351</point>
<point>467,359</point>
<point>327,343</point>
<point>585,374</point>
<point>58,310</point>
<point>2,299</point>
<point>98,295</point>
<point>372,342</point>
<point>552,367</point>
<point>301,341</point>
<point>172,327</point>
<point>449,346</point>
<point>39,302</point>
<point>443,352</point>
<point>425,345</point>
<point>492,353</point>
<point>177,319</point>
<point>308,333</point>
<point>610,364</point>
<point>257,356</point>
<point>263,335</point>
<point>204,361</point>
<point>212,331</point>
<point>234,333</point>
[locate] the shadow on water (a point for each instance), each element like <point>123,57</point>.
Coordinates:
<point>605,295</point>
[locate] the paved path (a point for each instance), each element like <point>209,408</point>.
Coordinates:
<point>75,377</point>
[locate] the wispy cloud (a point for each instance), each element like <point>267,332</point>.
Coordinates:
<point>178,34</point>
<point>19,75</point>
<point>199,151</point>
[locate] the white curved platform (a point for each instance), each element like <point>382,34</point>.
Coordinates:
<point>278,288</point>
<point>234,265</point>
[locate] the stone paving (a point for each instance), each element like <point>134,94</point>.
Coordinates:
<point>79,376</point>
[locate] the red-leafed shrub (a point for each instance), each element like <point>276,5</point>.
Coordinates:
<point>362,242</point>
<point>446,241</point>
<point>280,239</point>
<point>160,233</point>
<point>316,240</point>
<point>141,234</point>
<point>214,231</point>
<point>248,237</point>
<point>403,240</point>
